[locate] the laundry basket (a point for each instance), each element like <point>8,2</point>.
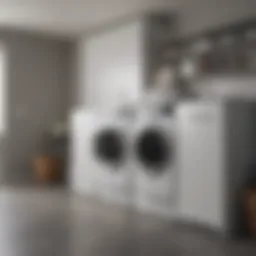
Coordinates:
<point>46,168</point>
<point>250,210</point>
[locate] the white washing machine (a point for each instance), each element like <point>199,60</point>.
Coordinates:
<point>109,158</point>
<point>102,157</point>
<point>154,144</point>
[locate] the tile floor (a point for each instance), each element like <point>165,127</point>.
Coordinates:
<point>39,222</point>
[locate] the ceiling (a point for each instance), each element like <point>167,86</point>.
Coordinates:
<point>70,17</point>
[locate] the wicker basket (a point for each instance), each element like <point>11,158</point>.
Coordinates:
<point>250,209</point>
<point>46,168</point>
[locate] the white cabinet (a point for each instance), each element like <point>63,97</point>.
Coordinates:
<point>201,163</point>
<point>111,66</point>
<point>115,65</point>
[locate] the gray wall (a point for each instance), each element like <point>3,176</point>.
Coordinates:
<point>199,15</point>
<point>38,95</point>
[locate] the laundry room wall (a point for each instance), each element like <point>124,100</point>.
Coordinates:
<point>38,89</point>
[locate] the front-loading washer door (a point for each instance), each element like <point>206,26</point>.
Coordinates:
<point>109,147</point>
<point>154,150</point>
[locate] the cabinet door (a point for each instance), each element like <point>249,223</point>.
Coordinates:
<point>113,66</point>
<point>201,163</point>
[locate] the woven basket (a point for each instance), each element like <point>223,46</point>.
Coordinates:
<point>46,169</point>
<point>250,209</point>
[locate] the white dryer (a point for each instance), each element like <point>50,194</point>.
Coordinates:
<point>154,163</point>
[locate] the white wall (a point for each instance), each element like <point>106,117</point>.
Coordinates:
<point>111,66</point>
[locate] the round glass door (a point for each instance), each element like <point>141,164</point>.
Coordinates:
<point>154,150</point>
<point>109,146</point>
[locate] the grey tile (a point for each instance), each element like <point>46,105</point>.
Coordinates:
<point>37,222</point>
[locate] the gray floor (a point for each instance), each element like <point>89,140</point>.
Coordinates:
<point>55,223</point>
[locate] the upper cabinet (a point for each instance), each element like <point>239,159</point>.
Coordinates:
<point>112,71</point>
<point>117,64</point>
